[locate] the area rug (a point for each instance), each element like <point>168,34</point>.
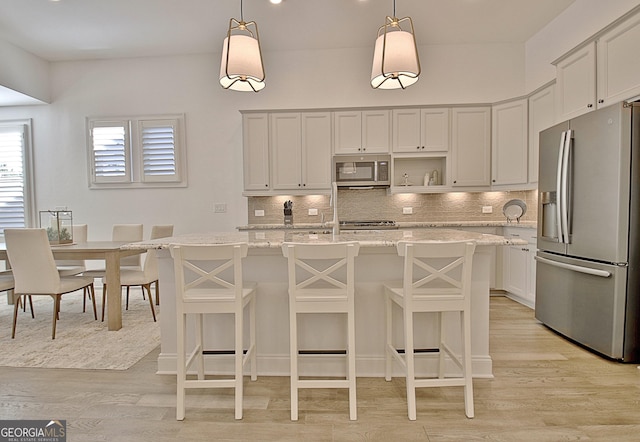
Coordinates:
<point>81,342</point>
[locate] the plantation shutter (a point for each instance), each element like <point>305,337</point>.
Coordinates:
<point>110,151</point>
<point>159,159</point>
<point>12,176</point>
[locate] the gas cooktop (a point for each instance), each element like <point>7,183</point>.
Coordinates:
<point>368,225</point>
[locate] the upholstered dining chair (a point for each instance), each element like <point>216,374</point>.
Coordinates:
<point>209,281</point>
<point>72,267</point>
<point>145,277</point>
<point>437,279</point>
<point>35,272</point>
<point>122,232</point>
<point>321,280</point>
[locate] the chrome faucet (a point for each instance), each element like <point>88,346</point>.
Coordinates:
<point>333,202</point>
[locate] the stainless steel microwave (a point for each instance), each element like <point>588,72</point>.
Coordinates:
<point>362,170</point>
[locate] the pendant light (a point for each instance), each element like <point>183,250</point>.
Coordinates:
<point>241,68</point>
<point>395,58</point>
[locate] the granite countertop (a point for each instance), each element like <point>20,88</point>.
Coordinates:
<point>401,225</point>
<point>271,239</point>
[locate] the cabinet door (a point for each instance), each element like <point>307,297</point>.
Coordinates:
<point>287,153</point>
<point>435,129</point>
<point>376,131</point>
<point>347,132</point>
<point>516,268</point>
<point>509,143</point>
<point>255,142</point>
<point>316,150</point>
<point>619,63</point>
<point>471,146</point>
<point>406,130</point>
<point>541,117</point>
<point>576,80</point>
<point>530,295</point>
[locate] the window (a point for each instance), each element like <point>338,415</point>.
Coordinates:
<point>16,197</point>
<point>137,152</point>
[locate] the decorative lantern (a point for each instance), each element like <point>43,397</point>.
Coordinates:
<point>59,225</point>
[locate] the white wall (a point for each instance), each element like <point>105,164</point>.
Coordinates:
<point>23,72</point>
<point>188,84</point>
<point>577,23</point>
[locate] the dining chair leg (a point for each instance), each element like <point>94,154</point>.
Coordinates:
<point>16,305</point>
<point>158,292</point>
<point>153,310</point>
<point>92,294</point>
<point>127,306</point>
<point>56,310</point>
<point>104,299</point>
<point>31,306</point>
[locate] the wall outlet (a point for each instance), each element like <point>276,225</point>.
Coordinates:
<point>407,210</point>
<point>220,207</point>
<point>258,213</point>
<point>487,209</point>
<point>313,212</point>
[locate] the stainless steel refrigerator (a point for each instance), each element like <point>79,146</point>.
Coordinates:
<point>588,259</point>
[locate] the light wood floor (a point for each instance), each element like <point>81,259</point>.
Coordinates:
<point>545,389</point>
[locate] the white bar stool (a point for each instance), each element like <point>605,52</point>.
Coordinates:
<point>321,280</point>
<point>208,281</point>
<point>437,278</point>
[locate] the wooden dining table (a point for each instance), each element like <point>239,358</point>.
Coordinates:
<point>110,252</point>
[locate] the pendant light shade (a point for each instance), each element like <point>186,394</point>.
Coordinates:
<point>395,58</point>
<point>241,68</point>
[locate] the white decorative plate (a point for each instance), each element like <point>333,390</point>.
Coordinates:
<point>514,209</point>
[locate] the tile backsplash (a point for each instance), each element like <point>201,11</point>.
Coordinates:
<point>376,204</point>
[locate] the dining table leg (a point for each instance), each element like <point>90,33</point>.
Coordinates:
<point>113,297</point>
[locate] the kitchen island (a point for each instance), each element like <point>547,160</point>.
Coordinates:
<point>377,262</point>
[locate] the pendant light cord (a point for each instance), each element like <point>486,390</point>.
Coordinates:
<point>242,14</point>
<point>394,8</point>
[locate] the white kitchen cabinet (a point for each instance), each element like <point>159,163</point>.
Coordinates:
<point>420,130</point>
<point>519,278</point>
<point>362,131</point>
<point>471,146</point>
<point>509,140</point>
<point>541,116</point>
<point>255,141</point>
<point>301,150</point>
<point>603,72</point>
<point>576,79</point>
<point>618,62</point>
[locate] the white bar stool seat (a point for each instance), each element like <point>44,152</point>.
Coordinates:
<point>437,278</point>
<point>321,280</point>
<point>209,281</point>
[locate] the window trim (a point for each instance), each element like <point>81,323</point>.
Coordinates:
<point>136,177</point>
<point>28,175</point>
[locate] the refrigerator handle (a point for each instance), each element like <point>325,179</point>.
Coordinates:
<point>574,268</point>
<point>565,187</point>
<point>559,188</point>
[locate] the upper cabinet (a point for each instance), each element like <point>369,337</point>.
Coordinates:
<point>420,130</point>
<point>541,116</point>
<point>602,72</point>
<point>576,79</point>
<point>619,62</point>
<point>509,141</point>
<point>255,140</point>
<point>471,146</point>
<point>362,131</point>
<point>301,150</point>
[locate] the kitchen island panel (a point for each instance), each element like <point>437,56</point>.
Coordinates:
<point>374,265</point>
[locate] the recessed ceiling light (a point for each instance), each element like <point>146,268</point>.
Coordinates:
<point>276,2</point>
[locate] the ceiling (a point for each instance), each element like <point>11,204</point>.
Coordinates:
<point>95,29</point>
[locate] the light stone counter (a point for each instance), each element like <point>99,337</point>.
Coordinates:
<point>401,225</point>
<point>273,239</point>
<point>377,262</point>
